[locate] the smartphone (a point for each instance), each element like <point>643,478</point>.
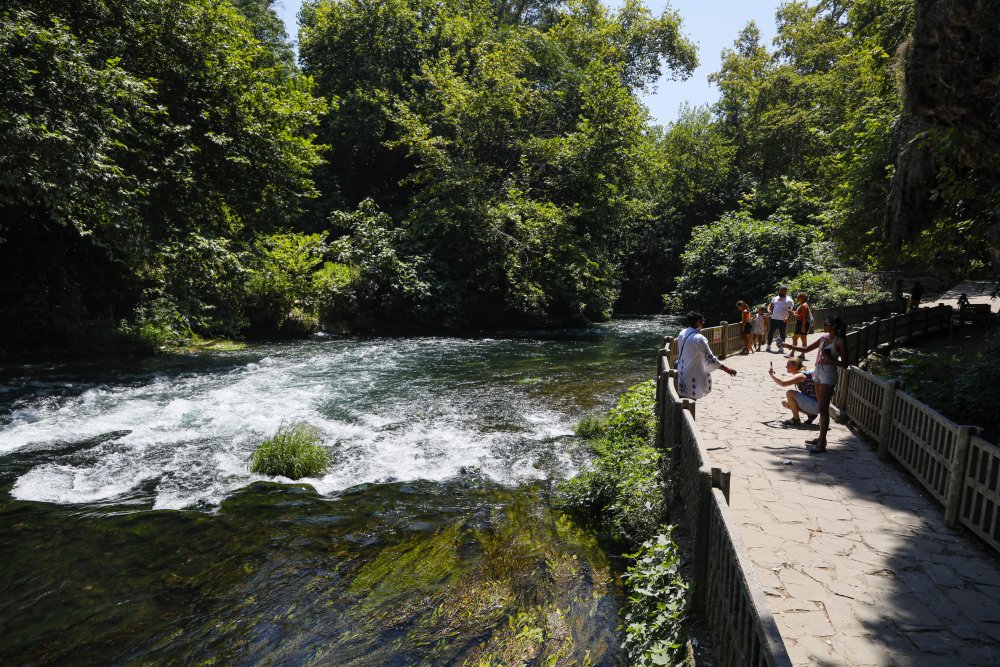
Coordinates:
<point>772,366</point>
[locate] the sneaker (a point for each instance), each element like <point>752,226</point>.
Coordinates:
<point>768,348</point>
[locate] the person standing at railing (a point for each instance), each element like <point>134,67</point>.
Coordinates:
<point>746,326</point>
<point>695,360</point>
<point>803,321</point>
<point>899,297</point>
<point>832,355</point>
<point>780,308</point>
<point>759,327</point>
<point>916,292</point>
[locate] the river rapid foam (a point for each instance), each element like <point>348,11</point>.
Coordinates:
<point>389,410</point>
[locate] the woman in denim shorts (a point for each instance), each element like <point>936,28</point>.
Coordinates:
<point>832,355</point>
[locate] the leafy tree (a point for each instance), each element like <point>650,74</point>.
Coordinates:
<point>130,130</point>
<point>740,258</point>
<point>510,157</point>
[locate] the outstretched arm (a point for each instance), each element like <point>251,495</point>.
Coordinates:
<point>793,380</point>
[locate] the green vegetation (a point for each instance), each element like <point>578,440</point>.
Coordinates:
<point>624,491</point>
<point>293,452</point>
<point>956,380</point>
<point>172,172</point>
<point>657,602</point>
<point>625,495</point>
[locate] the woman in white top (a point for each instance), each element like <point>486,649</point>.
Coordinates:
<point>831,356</point>
<point>695,361</point>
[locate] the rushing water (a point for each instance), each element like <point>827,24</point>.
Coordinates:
<point>131,530</point>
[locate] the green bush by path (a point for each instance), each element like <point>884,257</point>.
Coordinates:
<point>293,452</point>
<point>653,619</point>
<point>624,493</point>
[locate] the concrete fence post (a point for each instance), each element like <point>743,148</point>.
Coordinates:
<point>956,476</point>
<point>721,478</point>
<point>689,405</point>
<point>701,545</point>
<point>885,421</point>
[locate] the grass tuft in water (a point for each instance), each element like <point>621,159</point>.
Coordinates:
<point>293,452</point>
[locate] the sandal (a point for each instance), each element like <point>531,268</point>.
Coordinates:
<point>816,449</point>
<point>792,422</point>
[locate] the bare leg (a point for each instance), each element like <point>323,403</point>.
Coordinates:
<point>824,394</point>
<point>791,404</point>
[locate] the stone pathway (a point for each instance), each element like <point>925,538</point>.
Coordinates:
<point>854,557</point>
<point>978,291</point>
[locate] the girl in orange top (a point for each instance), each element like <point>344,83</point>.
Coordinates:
<point>801,323</point>
<point>746,328</point>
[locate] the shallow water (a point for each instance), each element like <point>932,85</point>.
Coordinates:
<point>129,533</point>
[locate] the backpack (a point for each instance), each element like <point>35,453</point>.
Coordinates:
<point>809,318</point>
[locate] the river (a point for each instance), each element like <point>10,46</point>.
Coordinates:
<point>131,531</point>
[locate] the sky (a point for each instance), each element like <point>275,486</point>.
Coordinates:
<point>711,24</point>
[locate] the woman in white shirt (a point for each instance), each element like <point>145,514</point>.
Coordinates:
<point>695,360</point>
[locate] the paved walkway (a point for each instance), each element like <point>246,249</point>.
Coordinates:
<point>978,291</point>
<point>856,562</point>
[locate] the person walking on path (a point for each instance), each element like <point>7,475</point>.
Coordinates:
<point>916,292</point>
<point>695,361</point>
<point>803,397</point>
<point>899,297</point>
<point>779,309</point>
<point>802,319</point>
<point>831,356</point>
<point>746,326</point>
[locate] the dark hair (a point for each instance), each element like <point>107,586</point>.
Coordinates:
<point>694,317</point>
<point>839,327</point>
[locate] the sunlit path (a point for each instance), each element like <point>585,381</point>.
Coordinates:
<point>855,559</point>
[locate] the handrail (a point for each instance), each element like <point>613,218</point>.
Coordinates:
<point>958,469</point>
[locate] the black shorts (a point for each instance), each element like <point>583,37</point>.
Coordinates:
<point>801,328</point>
<point>747,328</point>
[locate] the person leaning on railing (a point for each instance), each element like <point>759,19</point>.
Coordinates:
<point>695,360</point>
<point>831,356</point>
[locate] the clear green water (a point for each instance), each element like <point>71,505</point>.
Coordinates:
<point>132,533</point>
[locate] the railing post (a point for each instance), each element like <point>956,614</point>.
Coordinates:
<point>885,421</point>
<point>721,478</point>
<point>725,340</point>
<point>701,540</point>
<point>956,476</point>
<point>689,405</point>
<point>661,399</point>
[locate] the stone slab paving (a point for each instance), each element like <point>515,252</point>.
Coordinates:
<point>854,557</point>
<point>978,291</point>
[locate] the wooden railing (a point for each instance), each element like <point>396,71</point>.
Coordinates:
<point>725,588</point>
<point>960,469</point>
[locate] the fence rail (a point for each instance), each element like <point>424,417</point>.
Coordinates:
<point>959,468</point>
<point>725,589</point>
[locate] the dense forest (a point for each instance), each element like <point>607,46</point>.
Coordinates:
<point>171,170</point>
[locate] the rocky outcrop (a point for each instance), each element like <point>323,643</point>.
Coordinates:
<point>951,109</point>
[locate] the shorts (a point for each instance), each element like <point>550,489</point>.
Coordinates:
<point>825,374</point>
<point>807,404</point>
<point>747,328</point>
<point>801,328</point>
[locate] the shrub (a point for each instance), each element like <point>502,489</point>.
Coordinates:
<point>653,617</point>
<point>293,452</point>
<point>283,290</point>
<point>738,257</point>
<point>623,492</point>
<point>839,287</point>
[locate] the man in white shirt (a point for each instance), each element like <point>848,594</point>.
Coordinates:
<point>779,308</point>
